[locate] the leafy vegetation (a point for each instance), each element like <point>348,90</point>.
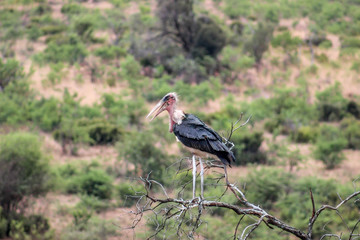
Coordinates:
<point>278,61</point>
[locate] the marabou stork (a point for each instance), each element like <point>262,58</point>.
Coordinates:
<point>195,135</point>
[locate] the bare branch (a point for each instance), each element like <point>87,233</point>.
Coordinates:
<point>318,212</point>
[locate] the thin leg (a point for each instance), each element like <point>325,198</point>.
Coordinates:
<point>194,176</point>
<point>201,179</point>
<point>226,176</point>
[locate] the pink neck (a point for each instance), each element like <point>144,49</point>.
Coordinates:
<point>171,118</point>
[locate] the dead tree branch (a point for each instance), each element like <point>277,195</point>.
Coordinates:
<point>183,217</point>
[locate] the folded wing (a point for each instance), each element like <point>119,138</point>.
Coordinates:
<point>194,133</point>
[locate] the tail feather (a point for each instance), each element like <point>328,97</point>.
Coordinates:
<point>226,157</point>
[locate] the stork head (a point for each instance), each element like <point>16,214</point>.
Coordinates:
<point>168,103</point>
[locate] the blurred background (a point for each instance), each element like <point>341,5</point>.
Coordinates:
<point>78,77</point>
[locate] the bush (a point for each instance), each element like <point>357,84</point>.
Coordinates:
<point>30,227</point>
<point>53,29</point>
<point>354,109</point>
<point>296,206</point>
<point>67,49</point>
<point>72,9</point>
<point>247,147</point>
<point>94,203</point>
<point>331,104</point>
<point>24,169</point>
<point>286,41</point>
<point>258,44</point>
<point>100,131</point>
<point>15,103</point>
<point>139,149</point>
<point>304,134</point>
<point>84,26</point>
<point>110,52</point>
<point>9,71</point>
<point>125,113</point>
<point>131,71</point>
<point>3,225</point>
<point>93,182</point>
<point>351,131</point>
<point>91,229</point>
<point>326,44</point>
<point>266,186</point>
<point>96,183</point>
<point>128,192</point>
<point>46,113</point>
<point>210,38</point>
<point>329,146</point>
<point>350,42</point>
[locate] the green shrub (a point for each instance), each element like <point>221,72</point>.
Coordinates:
<point>355,66</point>
<point>350,42</point>
<point>326,44</point>
<point>313,69</point>
<point>329,145</point>
<point>46,113</point>
<point>81,218</point>
<point>72,9</point>
<point>296,207</point>
<point>11,24</point>
<point>69,49</point>
<point>94,203</point>
<point>258,43</point>
<point>24,169</point>
<point>247,147</point>
<point>235,9</point>
<point>15,103</point>
<point>159,87</point>
<point>331,104</point>
<point>123,112</point>
<point>289,108</point>
<point>53,29</point>
<point>128,192</point>
<point>131,71</point>
<point>92,229</point>
<point>100,131</point>
<point>30,227</point>
<point>322,58</point>
<point>110,52</point>
<point>3,225</point>
<point>351,131</point>
<point>10,70</point>
<point>139,149</point>
<point>353,108</point>
<point>84,27</point>
<point>209,38</point>
<point>267,185</point>
<point>94,182</point>
<point>230,57</point>
<point>56,74</point>
<point>286,41</point>
<point>304,134</point>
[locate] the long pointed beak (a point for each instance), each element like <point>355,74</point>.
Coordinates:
<point>160,106</point>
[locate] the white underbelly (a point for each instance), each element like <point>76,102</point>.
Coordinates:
<point>200,153</point>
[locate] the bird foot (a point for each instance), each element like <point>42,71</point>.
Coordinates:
<point>196,200</point>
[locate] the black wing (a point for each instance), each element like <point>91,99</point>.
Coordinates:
<point>194,133</point>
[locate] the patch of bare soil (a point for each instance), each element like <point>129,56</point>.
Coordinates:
<point>215,9</point>
<point>106,154</point>
<point>56,6</point>
<point>55,207</point>
<point>125,219</point>
<point>89,92</point>
<point>102,5</point>
<point>132,8</point>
